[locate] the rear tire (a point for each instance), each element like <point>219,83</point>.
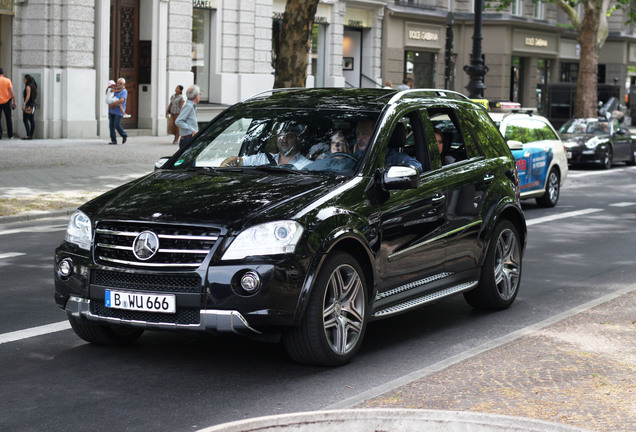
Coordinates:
<point>103,334</point>
<point>333,326</point>
<point>552,190</point>
<point>501,272</point>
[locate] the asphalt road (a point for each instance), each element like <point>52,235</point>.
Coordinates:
<point>577,252</point>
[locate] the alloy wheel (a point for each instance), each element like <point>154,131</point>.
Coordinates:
<point>343,309</point>
<point>507,264</point>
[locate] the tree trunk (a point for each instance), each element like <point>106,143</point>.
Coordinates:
<point>295,43</point>
<point>586,101</point>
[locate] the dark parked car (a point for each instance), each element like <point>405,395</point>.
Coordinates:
<point>600,141</point>
<point>303,214</point>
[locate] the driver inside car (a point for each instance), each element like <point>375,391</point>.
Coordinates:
<point>287,143</point>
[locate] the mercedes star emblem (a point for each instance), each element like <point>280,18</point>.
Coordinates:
<point>146,245</point>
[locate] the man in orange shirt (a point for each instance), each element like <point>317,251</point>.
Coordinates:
<point>7,102</point>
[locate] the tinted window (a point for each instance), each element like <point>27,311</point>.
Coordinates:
<point>259,137</point>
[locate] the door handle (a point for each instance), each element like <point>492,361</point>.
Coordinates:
<point>488,178</point>
<point>438,197</point>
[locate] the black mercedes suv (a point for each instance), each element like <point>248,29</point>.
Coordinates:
<point>301,215</point>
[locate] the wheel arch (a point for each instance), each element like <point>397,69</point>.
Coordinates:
<point>349,241</point>
<point>513,213</point>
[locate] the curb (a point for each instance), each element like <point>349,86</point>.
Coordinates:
<point>385,420</point>
<point>37,215</point>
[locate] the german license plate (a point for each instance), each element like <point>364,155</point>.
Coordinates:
<point>569,155</point>
<point>164,303</point>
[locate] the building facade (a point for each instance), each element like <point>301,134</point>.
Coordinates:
<point>227,48</point>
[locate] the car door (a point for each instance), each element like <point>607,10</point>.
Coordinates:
<point>471,190</point>
<point>621,141</point>
<point>412,222</point>
<point>535,158</point>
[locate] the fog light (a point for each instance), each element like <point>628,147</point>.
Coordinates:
<point>250,282</point>
<point>65,267</point>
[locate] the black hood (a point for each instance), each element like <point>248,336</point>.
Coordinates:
<point>571,140</point>
<point>210,198</point>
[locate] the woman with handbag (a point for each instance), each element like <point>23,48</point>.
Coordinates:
<point>172,112</point>
<point>29,94</point>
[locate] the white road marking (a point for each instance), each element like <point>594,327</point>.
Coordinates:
<point>622,204</point>
<point>11,254</point>
<point>615,170</point>
<point>571,214</point>
<point>34,331</point>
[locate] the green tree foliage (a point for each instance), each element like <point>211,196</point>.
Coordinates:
<point>292,56</point>
<point>592,30</point>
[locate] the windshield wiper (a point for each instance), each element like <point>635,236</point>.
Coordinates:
<point>275,168</point>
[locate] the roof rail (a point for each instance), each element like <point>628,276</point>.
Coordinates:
<point>428,93</point>
<point>272,91</point>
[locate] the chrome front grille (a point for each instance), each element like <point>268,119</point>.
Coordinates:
<point>179,246</point>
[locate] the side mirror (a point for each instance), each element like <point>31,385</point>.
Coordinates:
<point>515,145</point>
<point>400,177</point>
<point>161,162</point>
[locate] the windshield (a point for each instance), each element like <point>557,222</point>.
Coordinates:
<point>304,140</point>
<point>585,126</point>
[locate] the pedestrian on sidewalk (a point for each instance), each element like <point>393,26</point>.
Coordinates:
<point>187,120</point>
<point>115,113</point>
<point>7,102</point>
<point>29,95</point>
<point>111,98</point>
<point>172,112</point>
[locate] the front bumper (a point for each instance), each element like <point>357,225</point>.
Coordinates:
<point>222,321</point>
<point>207,299</point>
<point>585,155</point>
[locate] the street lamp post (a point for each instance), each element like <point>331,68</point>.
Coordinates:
<point>477,69</point>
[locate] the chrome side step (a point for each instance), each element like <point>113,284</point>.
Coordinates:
<point>426,298</point>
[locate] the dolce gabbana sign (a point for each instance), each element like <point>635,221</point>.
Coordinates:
<point>422,36</point>
<point>538,43</point>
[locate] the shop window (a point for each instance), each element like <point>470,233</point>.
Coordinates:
<point>538,10</point>
<point>318,43</point>
<point>201,19</point>
<point>424,4</point>
<point>422,66</point>
<point>570,72</point>
<point>515,79</point>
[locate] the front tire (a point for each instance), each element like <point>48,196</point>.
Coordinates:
<point>335,320</point>
<point>607,159</point>
<point>501,272</point>
<point>552,190</point>
<point>103,334</point>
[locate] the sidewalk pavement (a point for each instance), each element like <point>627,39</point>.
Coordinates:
<point>578,371</point>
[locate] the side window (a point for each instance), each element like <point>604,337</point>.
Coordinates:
<point>546,131</point>
<point>405,145</point>
<point>449,142</point>
<point>488,141</point>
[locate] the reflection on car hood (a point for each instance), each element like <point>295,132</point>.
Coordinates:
<point>220,199</point>
<point>570,140</point>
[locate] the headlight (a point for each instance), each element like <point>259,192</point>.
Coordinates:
<point>79,230</point>
<point>593,142</point>
<point>273,238</point>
